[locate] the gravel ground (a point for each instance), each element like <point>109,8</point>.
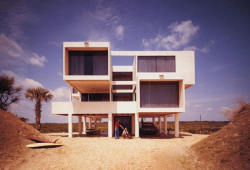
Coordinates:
<point>108,153</point>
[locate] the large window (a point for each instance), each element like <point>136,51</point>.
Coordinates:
<point>156,63</point>
<point>159,94</point>
<point>88,62</point>
<point>95,97</point>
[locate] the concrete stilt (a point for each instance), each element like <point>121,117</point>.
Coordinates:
<point>110,125</point>
<point>95,123</point>
<point>159,121</point>
<point>176,122</point>
<point>90,121</point>
<point>84,125</point>
<point>165,124</point>
<point>137,125</point>
<point>70,125</point>
<point>80,125</point>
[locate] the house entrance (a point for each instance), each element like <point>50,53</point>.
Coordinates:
<point>125,121</point>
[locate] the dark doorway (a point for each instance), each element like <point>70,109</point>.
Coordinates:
<point>125,121</point>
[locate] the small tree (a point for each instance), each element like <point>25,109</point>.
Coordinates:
<point>8,93</point>
<point>38,94</point>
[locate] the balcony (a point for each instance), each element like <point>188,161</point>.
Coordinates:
<point>162,110</point>
<point>93,107</point>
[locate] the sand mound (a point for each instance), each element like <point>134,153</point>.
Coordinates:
<point>229,148</point>
<point>13,133</point>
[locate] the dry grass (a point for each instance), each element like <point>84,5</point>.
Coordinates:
<point>229,147</point>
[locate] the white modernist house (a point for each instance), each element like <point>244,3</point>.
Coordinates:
<point>152,87</point>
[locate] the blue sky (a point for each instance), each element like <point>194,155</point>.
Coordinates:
<point>32,32</point>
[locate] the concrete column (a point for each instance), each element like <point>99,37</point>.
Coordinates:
<point>137,125</point>
<point>84,125</point>
<point>70,125</point>
<point>80,125</point>
<point>153,119</point>
<point>95,123</point>
<point>70,94</point>
<point>110,125</point>
<point>165,124</point>
<point>176,122</point>
<point>90,122</point>
<point>159,121</point>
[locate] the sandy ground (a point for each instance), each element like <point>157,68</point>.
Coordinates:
<point>108,153</point>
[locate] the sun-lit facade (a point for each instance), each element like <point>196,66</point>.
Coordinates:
<point>152,87</point>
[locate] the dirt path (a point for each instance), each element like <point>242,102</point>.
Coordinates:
<point>106,153</point>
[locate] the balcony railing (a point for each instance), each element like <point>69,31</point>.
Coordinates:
<point>93,107</point>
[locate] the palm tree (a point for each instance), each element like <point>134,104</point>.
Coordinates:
<point>38,94</point>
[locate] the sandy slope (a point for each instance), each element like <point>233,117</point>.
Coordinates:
<point>228,148</point>
<point>106,153</point>
<point>13,133</point>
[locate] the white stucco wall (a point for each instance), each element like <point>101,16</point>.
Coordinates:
<point>93,107</point>
<point>185,73</point>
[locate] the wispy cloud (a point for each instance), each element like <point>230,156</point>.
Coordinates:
<point>207,47</point>
<point>59,74</point>
<point>105,13</point>
<point>12,53</point>
<point>22,81</point>
<point>119,31</point>
<point>217,68</point>
<point>204,49</point>
<point>227,98</point>
<point>23,108</point>
<point>102,23</point>
<point>181,33</point>
<point>209,109</point>
<point>37,60</point>
<point>197,105</point>
<point>95,35</point>
<point>9,47</point>
<point>61,94</point>
<point>16,17</point>
<point>190,48</point>
<point>57,44</point>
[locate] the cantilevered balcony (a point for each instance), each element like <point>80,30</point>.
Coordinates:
<point>93,107</point>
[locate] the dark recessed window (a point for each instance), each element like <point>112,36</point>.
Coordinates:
<point>88,62</point>
<point>122,76</point>
<point>95,96</point>
<point>122,96</point>
<point>156,63</point>
<point>159,94</point>
<point>121,87</point>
